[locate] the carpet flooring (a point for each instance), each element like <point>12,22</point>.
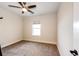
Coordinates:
<point>27,48</point>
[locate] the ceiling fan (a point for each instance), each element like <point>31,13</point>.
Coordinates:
<point>24,7</point>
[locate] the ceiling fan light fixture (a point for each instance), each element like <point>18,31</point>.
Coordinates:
<point>23,9</point>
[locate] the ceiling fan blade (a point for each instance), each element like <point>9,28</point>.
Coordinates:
<point>24,3</point>
<point>21,4</point>
<point>30,11</point>
<point>22,12</point>
<point>14,6</point>
<point>32,6</point>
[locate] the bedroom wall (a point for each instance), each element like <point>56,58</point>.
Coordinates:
<point>48,28</point>
<point>10,28</point>
<point>76,25</point>
<point>65,29</point>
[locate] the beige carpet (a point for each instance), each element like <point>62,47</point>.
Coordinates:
<point>26,48</point>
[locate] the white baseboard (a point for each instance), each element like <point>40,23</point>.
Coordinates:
<point>41,41</point>
<point>28,40</point>
<point>10,43</point>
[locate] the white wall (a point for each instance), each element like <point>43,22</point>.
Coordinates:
<point>65,29</point>
<point>76,26</point>
<point>48,28</point>
<point>10,28</point>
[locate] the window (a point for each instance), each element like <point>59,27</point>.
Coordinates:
<point>36,29</point>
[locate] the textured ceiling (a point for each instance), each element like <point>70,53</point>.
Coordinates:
<point>42,7</point>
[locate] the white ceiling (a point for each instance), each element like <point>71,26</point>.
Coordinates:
<point>41,7</point>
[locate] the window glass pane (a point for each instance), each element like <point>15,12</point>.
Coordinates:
<point>36,29</point>
<point>36,32</point>
<point>36,26</point>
